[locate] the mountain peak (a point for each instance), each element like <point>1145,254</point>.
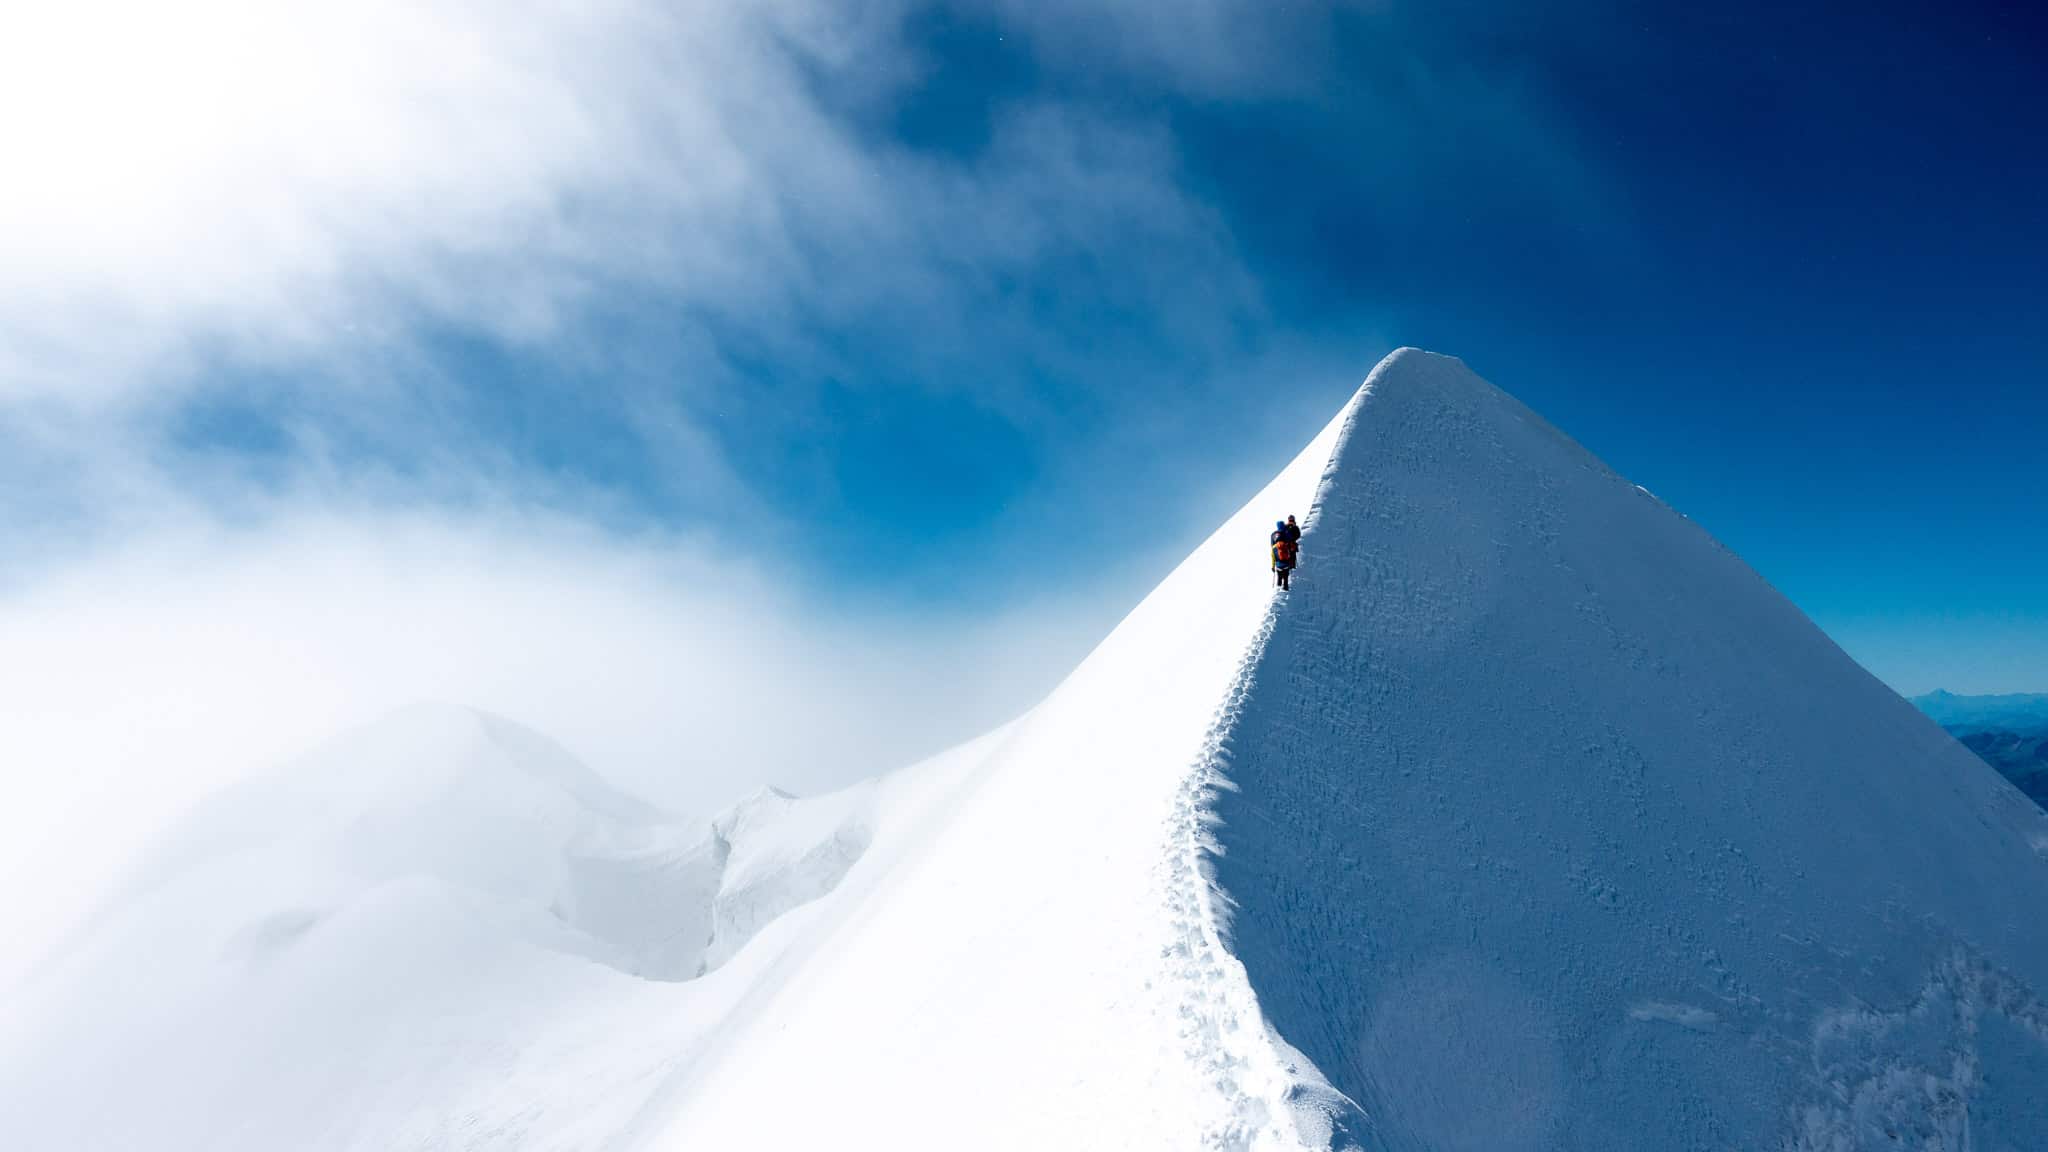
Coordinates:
<point>2017,711</point>
<point>1528,817</point>
<point>1529,771</point>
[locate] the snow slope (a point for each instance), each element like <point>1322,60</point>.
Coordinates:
<point>442,933</point>
<point>1042,972</point>
<point>1497,832</point>
<point>437,932</point>
<point>1555,827</point>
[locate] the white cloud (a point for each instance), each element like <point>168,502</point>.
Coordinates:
<point>296,183</point>
<point>1205,47</point>
<point>287,177</point>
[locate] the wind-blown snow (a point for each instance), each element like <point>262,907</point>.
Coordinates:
<point>1530,818</point>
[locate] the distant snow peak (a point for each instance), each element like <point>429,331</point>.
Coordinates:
<point>2017,711</point>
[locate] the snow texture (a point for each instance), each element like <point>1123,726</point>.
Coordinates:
<point>1529,819</point>
<point>440,931</point>
<point>1554,827</point>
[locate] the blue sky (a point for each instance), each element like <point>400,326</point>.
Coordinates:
<point>944,317</point>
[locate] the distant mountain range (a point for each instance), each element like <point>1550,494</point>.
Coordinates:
<point>2013,712</point>
<point>2008,732</point>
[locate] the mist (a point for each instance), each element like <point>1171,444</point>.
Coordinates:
<point>138,679</point>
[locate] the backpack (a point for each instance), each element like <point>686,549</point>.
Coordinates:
<point>1283,551</point>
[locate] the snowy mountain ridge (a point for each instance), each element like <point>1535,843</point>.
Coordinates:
<point>1506,828</point>
<point>2008,732</point>
<point>2022,712</point>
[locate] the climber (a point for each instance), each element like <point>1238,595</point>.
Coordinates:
<point>1283,551</point>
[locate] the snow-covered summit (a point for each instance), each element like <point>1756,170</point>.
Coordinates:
<point>1554,826</point>
<point>1526,820</point>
